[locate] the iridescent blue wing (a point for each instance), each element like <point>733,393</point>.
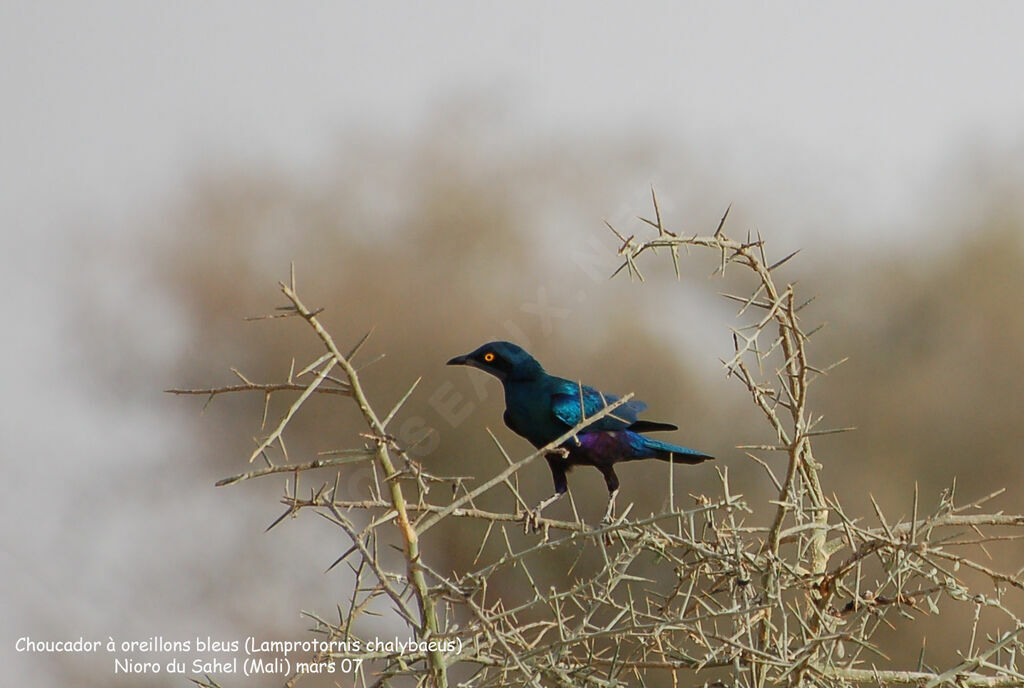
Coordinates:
<point>571,402</point>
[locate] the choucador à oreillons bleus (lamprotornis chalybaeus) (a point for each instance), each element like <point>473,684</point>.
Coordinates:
<point>542,408</point>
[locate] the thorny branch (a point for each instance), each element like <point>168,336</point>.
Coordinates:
<point>696,594</point>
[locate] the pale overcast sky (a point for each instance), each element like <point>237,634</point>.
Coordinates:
<point>111,104</point>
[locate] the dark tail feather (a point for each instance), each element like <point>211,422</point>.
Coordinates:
<point>651,426</point>
<point>673,452</point>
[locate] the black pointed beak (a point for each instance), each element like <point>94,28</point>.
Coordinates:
<point>458,360</point>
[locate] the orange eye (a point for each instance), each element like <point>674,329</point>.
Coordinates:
<point>488,357</point>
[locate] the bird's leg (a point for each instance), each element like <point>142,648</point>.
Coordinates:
<point>546,502</point>
<point>609,513</point>
<point>534,518</point>
<point>555,459</point>
<point>612,481</point>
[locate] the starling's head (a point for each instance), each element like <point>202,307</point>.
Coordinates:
<point>504,360</point>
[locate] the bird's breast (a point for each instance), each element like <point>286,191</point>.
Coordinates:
<point>529,415</point>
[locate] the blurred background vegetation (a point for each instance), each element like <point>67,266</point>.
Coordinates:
<point>438,248</point>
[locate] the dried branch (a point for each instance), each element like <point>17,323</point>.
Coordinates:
<point>696,594</point>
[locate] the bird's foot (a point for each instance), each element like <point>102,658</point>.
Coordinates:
<point>533,516</point>
<point>610,519</point>
<point>531,521</point>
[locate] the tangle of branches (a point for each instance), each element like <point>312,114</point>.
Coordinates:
<point>695,595</point>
